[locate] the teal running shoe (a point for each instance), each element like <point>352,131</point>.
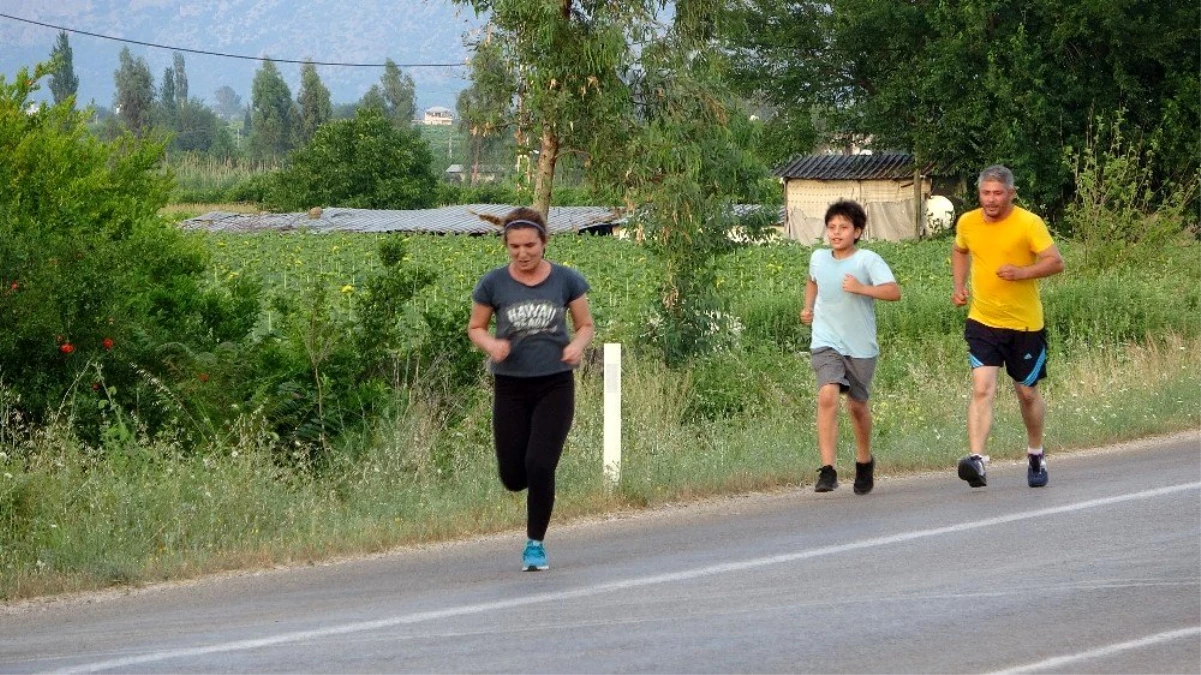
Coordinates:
<point>534,557</point>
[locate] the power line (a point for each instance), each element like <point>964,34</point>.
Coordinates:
<point>225,55</point>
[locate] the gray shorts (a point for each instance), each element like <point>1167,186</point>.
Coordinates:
<point>853,376</point>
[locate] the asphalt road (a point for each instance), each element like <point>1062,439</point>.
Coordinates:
<point>1100,572</point>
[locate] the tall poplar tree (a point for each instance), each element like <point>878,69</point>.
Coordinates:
<point>181,79</point>
<point>134,98</point>
<point>313,102</point>
<point>167,102</point>
<point>271,114</point>
<point>63,81</point>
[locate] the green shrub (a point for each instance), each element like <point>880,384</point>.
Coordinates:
<point>366,162</point>
<point>95,283</point>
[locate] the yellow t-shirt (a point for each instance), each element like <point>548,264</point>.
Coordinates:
<point>1016,240</point>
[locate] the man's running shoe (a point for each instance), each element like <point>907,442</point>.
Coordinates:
<point>971,469</point>
<point>864,480</point>
<point>534,557</point>
<point>1036,473</point>
<point>827,479</point>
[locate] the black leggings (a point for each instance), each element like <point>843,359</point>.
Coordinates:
<point>530,420</point>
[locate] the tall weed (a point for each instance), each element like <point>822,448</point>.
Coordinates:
<point>1121,214</point>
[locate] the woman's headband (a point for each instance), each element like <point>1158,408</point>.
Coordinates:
<point>522,221</point>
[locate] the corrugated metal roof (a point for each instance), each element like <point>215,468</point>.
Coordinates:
<point>882,166</point>
<point>460,219</point>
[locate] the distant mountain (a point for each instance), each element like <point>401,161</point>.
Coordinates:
<point>363,31</point>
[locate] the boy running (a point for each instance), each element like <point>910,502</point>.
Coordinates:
<point>844,283</point>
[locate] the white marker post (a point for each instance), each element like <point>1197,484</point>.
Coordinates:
<point>612,454</point>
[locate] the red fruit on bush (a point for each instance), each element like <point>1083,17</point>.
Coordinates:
<point>66,348</point>
<point>108,343</point>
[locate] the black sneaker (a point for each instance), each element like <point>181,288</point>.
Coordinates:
<point>1036,473</point>
<point>827,479</point>
<point>864,481</point>
<point>971,469</point>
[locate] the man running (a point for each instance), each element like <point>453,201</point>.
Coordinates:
<point>1007,249</point>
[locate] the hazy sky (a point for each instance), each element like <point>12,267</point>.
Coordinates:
<point>365,31</point>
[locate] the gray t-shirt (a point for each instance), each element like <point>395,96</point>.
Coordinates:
<point>842,321</point>
<point>532,318</point>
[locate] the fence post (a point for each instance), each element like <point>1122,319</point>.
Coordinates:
<point>612,453</point>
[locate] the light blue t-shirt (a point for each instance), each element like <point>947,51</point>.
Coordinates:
<point>846,322</point>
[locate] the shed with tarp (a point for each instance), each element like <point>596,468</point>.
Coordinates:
<point>890,187</point>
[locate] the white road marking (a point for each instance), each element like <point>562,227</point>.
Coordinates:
<point>1105,651</point>
<point>686,575</point>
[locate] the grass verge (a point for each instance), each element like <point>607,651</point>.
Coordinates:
<point>75,518</point>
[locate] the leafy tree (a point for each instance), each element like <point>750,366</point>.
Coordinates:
<point>345,111</point>
<point>134,99</point>
<point>645,105</point>
<point>198,128</point>
<point>63,81</point>
<point>684,166</point>
<point>364,162</point>
<point>229,104</point>
<point>271,113</point>
<point>374,99</point>
<point>313,102</point>
<point>483,106</point>
<point>399,93</point>
<point>566,61</point>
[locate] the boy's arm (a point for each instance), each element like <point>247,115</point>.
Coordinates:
<point>877,271</point>
<point>890,291</point>
<point>810,298</point>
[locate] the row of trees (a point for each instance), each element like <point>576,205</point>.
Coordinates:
<point>966,84</point>
<point>273,124</point>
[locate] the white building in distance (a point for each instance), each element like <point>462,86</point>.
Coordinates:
<point>438,116</point>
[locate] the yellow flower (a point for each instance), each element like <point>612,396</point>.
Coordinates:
<point>348,289</point>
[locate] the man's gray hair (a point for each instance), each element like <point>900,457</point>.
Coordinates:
<point>998,173</point>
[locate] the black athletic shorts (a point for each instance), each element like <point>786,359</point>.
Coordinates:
<point>1022,352</point>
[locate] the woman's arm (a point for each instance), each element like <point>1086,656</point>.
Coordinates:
<point>581,323</point>
<point>477,332</point>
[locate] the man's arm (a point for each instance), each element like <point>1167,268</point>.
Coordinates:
<point>961,264</point>
<point>1047,263</point>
